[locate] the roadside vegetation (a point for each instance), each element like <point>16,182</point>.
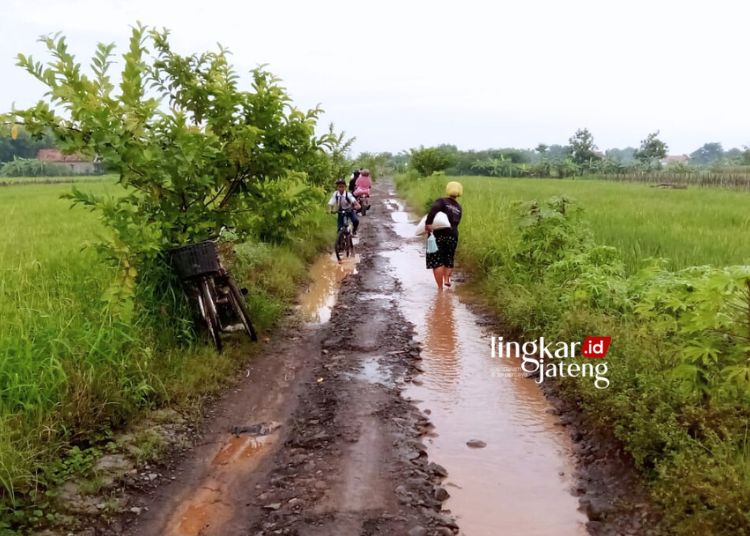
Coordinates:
<point>96,329</point>
<point>569,259</point>
<point>683,227</point>
<point>71,371</point>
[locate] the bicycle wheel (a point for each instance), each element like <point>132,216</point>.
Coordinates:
<point>209,295</point>
<point>206,306</point>
<point>340,246</point>
<point>240,308</point>
<point>349,245</point>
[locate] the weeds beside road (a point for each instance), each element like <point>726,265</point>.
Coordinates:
<point>679,375</point>
<point>69,371</point>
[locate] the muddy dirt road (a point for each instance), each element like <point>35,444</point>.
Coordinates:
<point>356,421</point>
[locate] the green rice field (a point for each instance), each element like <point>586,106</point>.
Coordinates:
<point>686,227</point>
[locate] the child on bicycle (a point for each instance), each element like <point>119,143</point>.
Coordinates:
<point>344,201</point>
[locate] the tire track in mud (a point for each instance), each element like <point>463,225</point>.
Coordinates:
<point>348,456</point>
<point>210,483</point>
<point>353,461</point>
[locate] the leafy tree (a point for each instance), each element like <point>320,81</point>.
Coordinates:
<point>708,154</point>
<point>610,166</point>
<point>193,151</point>
<point>543,168</point>
<point>500,167</point>
<point>542,149</point>
<point>624,156</point>
<point>517,156</point>
<point>583,149</point>
<point>652,150</point>
<point>430,159</point>
<point>20,144</point>
<point>338,163</point>
<point>382,163</point>
<point>558,151</point>
<point>448,148</point>
<point>565,167</point>
<point>734,156</point>
<point>377,163</point>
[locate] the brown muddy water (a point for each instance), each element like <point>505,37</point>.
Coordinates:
<point>205,508</point>
<point>521,482</point>
<point>206,511</point>
<point>518,484</point>
<point>208,508</point>
<point>319,298</point>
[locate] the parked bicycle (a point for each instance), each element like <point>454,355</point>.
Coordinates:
<point>344,241</point>
<point>215,296</point>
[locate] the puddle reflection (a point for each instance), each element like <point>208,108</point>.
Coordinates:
<point>498,489</point>
<point>441,340</point>
<point>326,273</point>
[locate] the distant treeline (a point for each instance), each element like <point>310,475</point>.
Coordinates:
<point>23,146</point>
<point>708,165</point>
<point>22,167</point>
<point>18,157</point>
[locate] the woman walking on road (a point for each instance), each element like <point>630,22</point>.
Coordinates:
<point>441,262</point>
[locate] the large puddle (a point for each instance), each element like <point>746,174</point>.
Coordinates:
<point>326,273</point>
<point>520,483</point>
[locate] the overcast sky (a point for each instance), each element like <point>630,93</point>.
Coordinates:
<point>399,74</point>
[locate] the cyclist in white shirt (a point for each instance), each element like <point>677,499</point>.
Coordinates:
<point>344,201</point>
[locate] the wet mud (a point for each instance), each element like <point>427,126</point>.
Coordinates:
<point>377,410</point>
<point>520,479</point>
<point>355,462</point>
<point>541,469</point>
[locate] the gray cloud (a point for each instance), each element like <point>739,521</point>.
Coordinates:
<point>476,74</point>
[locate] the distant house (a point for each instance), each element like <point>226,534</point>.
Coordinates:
<point>77,164</point>
<point>674,159</point>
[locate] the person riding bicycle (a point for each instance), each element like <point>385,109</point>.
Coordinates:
<point>344,201</point>
<point>353,181</point>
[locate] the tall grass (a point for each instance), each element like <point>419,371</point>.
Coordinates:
<point>49,295</point>
<point>69,369</point>
<point>686,227</point>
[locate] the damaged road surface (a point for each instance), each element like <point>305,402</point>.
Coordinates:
<point>383,415</point>
<point>347,455</point>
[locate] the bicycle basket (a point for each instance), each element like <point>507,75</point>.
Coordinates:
<point>195,259</point>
